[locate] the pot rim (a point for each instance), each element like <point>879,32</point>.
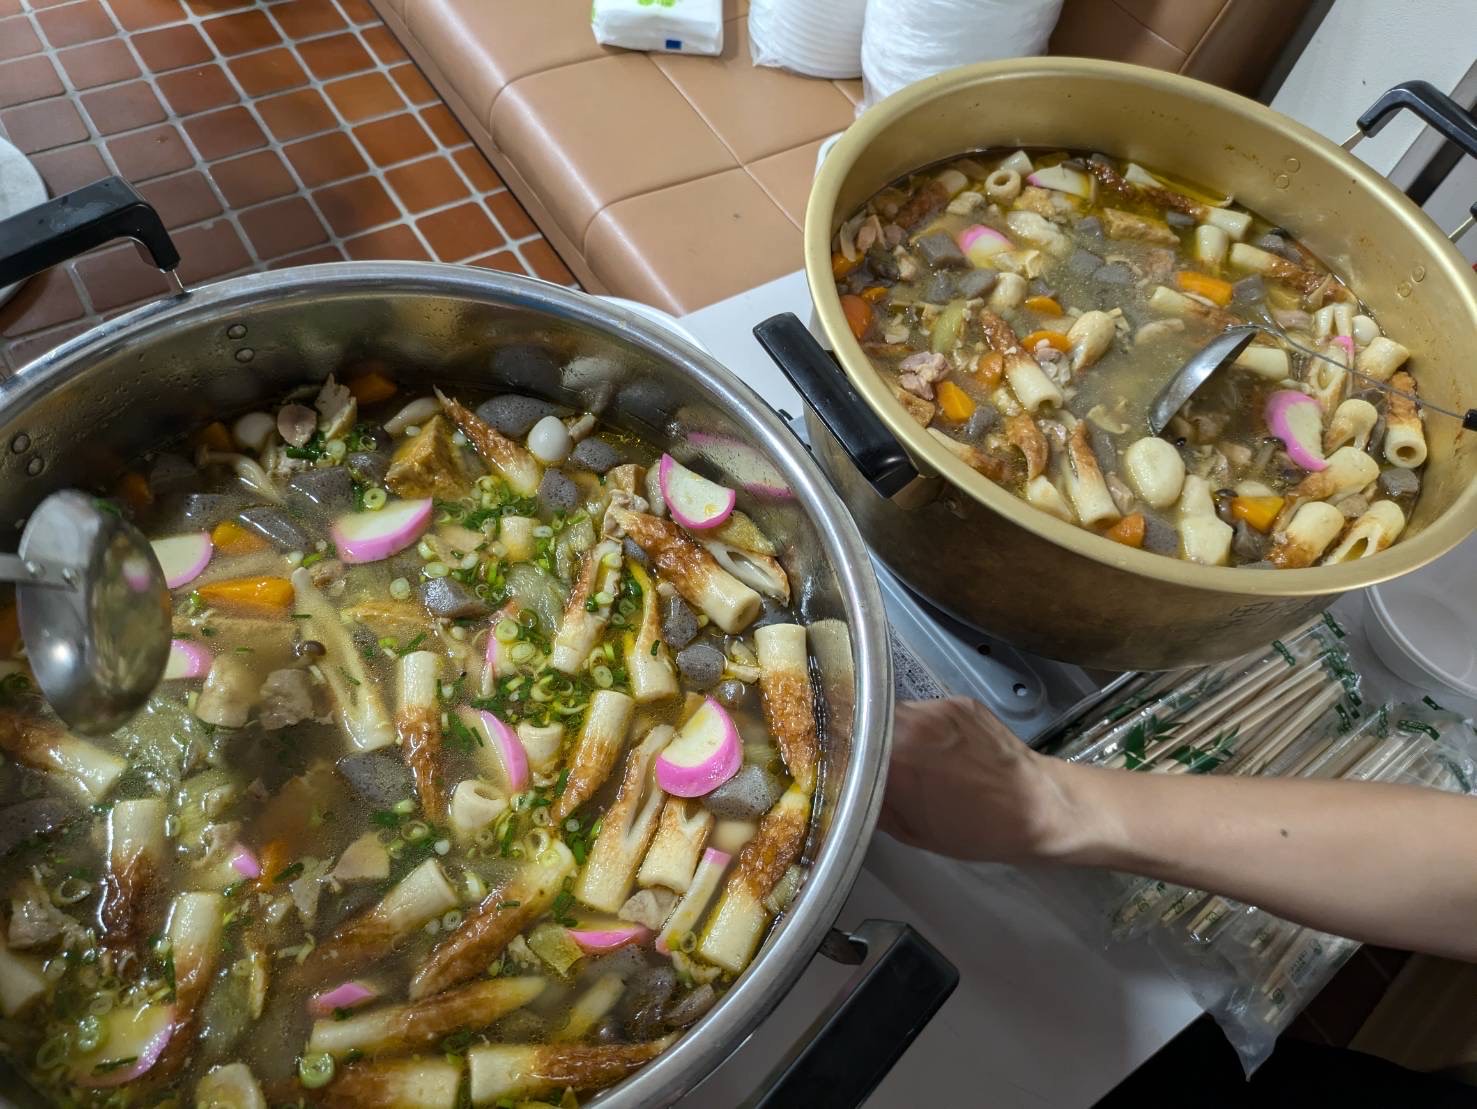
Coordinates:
<point>1440,536</point>
<point>797,936</point>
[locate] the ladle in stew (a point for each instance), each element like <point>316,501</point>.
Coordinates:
<point>1223,350</point>
<point>94,610</point>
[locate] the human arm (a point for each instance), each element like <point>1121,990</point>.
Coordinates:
<point>1382,863</point>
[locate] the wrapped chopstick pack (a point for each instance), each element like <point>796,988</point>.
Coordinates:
<point>1294,710</point>
<point>672,26</point>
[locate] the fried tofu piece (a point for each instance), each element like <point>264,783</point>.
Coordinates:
<point>428,465</point>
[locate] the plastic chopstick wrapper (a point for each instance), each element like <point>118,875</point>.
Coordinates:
<point>1294,710</point>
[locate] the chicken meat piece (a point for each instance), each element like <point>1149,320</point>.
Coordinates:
<point>337,409</point>
<point>917,373</point>
<point>286,699</point>
<point>1125,225</point>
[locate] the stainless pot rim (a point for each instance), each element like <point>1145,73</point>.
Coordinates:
<point>822,219</point>
<point>797,936</point>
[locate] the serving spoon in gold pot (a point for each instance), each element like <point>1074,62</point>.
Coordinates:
<point>1224,349</point>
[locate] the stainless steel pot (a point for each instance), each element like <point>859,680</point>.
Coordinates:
<point>75,416</point>
<point>989,558</point>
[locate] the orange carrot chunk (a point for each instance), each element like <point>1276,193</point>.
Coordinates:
<point>989,369</point>
<point>215,436</point>
<point>1051,338</point>
<point>873,293</point>
<point>840,266</point>
<point>133,490</point>
<point>954,402</point>
<point>1129,531</point>
<point>1045,305</point>
<point>1258,512</point>
<point>858,314</point>
<point>372,387</point>
<point>273,859</point>
<point>1212,289</point>
<point>230,538</point>
<point>254,596</point>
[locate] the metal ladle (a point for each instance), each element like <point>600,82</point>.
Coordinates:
<point>1224,349</point>
<point>94,610</point>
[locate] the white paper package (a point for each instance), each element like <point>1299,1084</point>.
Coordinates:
<point>673,26</point>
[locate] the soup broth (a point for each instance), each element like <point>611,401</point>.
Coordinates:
<point>476,776</point>
<point>1026,308</point>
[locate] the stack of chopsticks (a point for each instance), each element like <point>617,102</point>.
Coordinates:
<point>1293,710</point>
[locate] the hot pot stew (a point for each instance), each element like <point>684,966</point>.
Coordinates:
<point>482,764</point>
<point>1026,308</point>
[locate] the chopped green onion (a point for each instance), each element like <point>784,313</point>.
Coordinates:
<point>506,630</point>
<point>288,873</point>
<point>436,569</point>
<point>53,1052</point>
<point>336,449</point>
<point>89,1034</point>
<point>400,589</point>
<point>404,807</point>
<point>315,1070</point>
<point>415,831</point>
<point>374,498</point>
<point>69,891</point>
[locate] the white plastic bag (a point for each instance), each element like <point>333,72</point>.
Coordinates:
<point>907,40</point>
<point>819,38</point>
<point>674,26</point>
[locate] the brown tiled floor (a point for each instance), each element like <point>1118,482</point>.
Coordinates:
<point>266,134</point>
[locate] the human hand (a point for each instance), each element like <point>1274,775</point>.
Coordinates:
<point>962,784</point>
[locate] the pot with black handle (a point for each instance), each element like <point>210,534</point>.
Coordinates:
<point>77,415</point>
<point>984,555</point>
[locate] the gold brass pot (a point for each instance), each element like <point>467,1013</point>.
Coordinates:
<point>1050,587</point>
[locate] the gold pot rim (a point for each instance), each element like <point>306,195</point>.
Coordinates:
<point>822,219</point>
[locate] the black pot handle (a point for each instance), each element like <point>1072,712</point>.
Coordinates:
<point>1435,108</point>
<point>901,982</point>
<point>1432,105</point>
<point>72,224</point>
<point>824,386</point>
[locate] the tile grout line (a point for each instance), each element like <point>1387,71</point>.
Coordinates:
<point>375,170</point>
<point>509,244</point>
<point>78,285</point>
<point>372,167</point>
<point>201,163</point>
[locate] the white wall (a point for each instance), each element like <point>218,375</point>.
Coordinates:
<point>1362,48</point>
<point>1365,46</point>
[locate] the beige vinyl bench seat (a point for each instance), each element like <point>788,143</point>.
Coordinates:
<point>680,180</point>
